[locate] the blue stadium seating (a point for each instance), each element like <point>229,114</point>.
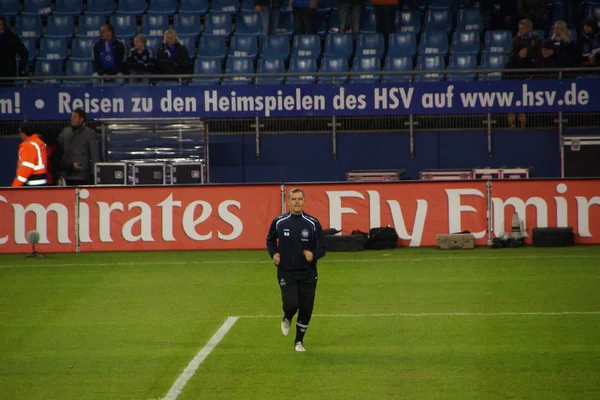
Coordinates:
<point>61,26</point>
<point>247,5</point>
<point>366,65</point>
<point>217,23</point>
<point>187,24</point>
<point>286,24</point>
<point>125,25</point>
<point>467,42</point>
<point>238,66</point>
<point>302,65</point>
<point>81,47</point>
<point>211,46</point>
<point>10,8</point>
<point>135,7</point>
<point>168,7</point>
<point>68,7</point>
<point>402,44</point>
<point>593,11</point>
<point>469,19</point>
<point>228,6</point>
<point>307,46</point>
<point>438,20</point>
<point>155,24</point>
<point>430,63</point>
<point>275,46</point>
<point>324,6</point>
<point>339,45</point>
<point>271,66</point>
<point>28,26</point>
<point>37,7</point>
<point>492,61</point>
<point>152,43</point>
<point>540,33</point>
<point>194,7</point>
<point>53,48</point>
<point>573,34</point>
<point>78,68</point>
<point>367,24</point>
<point>206,66</point>
<point>434,42</point>
<point>248,23</point>
<point>243,46</point>
<point>44,68</point>
<point>497,41</point>
<point>100,7</point>
<point>30,45</point>
<point>408,21</point>
<point>334,64</point>
<point>397,63</point>
<point>370,44</point>
<point>461,62</point>
<point>89,25</point>
<point>190,44</point>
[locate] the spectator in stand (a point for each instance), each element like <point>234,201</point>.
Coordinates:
<point>269,11</point>
<point>108,53</point>
<point>172,57</point>
<point>10,46</point>
<point>526,38</point>
<point>305,16</point>
<point>350,11</point>
<point>141,59</point>
<point>552,57</point>
<point>589,42</point>
<point>521,60</point>
<point>563,42</point>
<point>535,11</point>
<point>385,17</point>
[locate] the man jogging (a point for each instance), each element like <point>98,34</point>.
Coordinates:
<point>295,242</point>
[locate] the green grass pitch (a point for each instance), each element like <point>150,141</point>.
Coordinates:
<point>403,324</point>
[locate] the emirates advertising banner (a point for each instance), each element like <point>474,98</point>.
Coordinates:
<point>238,217</point>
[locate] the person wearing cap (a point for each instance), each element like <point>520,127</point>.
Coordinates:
<point>33,158</point>
<point>552,57</point>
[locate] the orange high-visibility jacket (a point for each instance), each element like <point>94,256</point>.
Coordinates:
<point>33,158</point>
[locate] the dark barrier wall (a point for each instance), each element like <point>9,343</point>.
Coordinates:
<point>306,157</point>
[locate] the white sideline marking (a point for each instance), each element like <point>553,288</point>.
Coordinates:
<point>201,356</point>
<point>459,314</point>
<point>324,261</point>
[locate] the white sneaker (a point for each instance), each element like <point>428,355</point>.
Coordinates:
<point>285,326</point>
<point>299,346</point>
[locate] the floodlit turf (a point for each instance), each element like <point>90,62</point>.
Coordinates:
<point>126,325</point>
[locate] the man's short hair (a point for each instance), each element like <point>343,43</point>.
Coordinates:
<point>110,28</point>
<point>81,113</point>
<point>526,23</point>
<point>295,190</point>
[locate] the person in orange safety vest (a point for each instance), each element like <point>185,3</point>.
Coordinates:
<point>33,158</point>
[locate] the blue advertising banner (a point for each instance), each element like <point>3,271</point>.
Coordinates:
<point>55,103</point>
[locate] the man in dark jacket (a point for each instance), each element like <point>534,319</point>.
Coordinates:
<point>108,54</point>
<point>552,57</point>
<point>172,57</point>
<point>526,38</point>
<point>79,147</point>
<point>10,46</point>
<point>269,11</point>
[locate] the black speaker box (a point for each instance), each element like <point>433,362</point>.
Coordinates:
<point>552,237</point>
<point>345,242</point>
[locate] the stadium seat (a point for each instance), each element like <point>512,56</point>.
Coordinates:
<point>187,24</point>
<point>573,34</point>
<point>466,42</point>
<point>275,46</point>
<point>37,7</point>
<point>492,61</point>
<point>302,65</point>
<point>271,66</point>
<point>100,7</point>
<point>45,67</point>
<point>593,11</point>
<point>469,19</point>
<point>194,7</point>
<point>152,43</point>
<point>307,46</point>
<point>247,5</point>
<point>438,19</point>
<point>430,63</point>
<point>461,62</point>
<point>397,63</point>
<point>30,45</point>
<point>497,41</point>
<point>53,48</point>
<point>134,7</point>
<point>402,44</point>
<point>227,6</point>
<point>324,6</point>
<point>89,25</point>
<point>286,24</point>
<point>339,45</point>
<point>243,46</point>
<point>155,24</point>
<point>408,21</point>
<point>206,66</point>
<point>125,25</point>
<point>68,7</point>
<point>211,46</point>
<point>60,26</point>
<point>334,64</point>
<point>217,23</point>
<point>10,8</point>
<point>28,26</point>
<point>540,33</point>
<point>168,7</point>
<point>238,66</point>
<point>367,24</point>
<point>78,68</point>
<point>434,43</point>
<point>190,44</point>
<point>370,44</point>
<point>248,23</point>
<point>366,66</point>
<point>81,47</point>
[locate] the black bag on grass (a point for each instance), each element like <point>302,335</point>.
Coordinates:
<point>382,238</point>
